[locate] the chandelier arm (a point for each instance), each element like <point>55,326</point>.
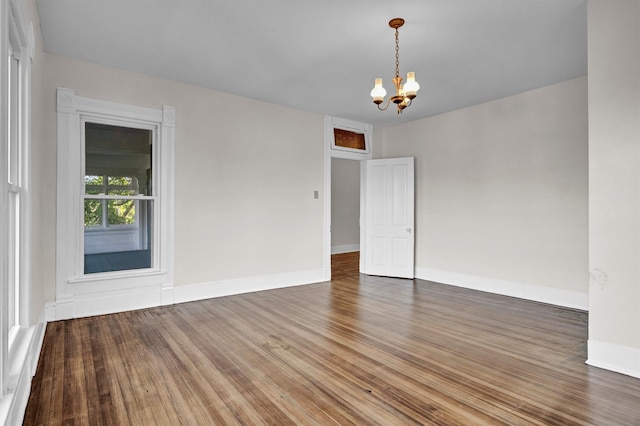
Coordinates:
<point>387,102</point>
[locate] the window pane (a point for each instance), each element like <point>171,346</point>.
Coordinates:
<point>92,213</point>
<point>122,185</point>
<point>117,156</point>
<point>94,190</point>
<point>117,232</point>
<point>14,259</point>
<point>120,180</point>
<point>117,247</point>
<point>14,113</point>
<point>348,139</point>
<point>121,212</point>
<point>93,180</point>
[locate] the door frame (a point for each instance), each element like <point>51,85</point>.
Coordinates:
<point>331,151</point>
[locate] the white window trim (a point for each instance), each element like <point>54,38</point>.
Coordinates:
<point>337,151</point>
<point>17,344</point>
<point>84,295</point>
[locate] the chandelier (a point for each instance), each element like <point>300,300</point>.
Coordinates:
<point>404,93</point>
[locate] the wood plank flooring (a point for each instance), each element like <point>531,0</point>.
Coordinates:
<point>357,350</point>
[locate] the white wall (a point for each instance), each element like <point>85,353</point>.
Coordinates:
<point>246,172</point>
<point>501,194</point>
<point>614,185</point>
<point>42,275</point>
<point>345,205</point>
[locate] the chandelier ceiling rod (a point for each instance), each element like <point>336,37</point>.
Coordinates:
<point>404,93</point>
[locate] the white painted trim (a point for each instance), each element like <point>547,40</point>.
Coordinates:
<point>331,123</point>
<point>50,311</point>
<point>78,294</point>
<point>116,301</point>
<point>326,214</point>
<point>90,304</point>
<point>352,126</point>
<point>348,248</point>
<point>329,153</point>
<point>362,222</point>
<point>618,358</point>
<point>117,295</point>
<point>537,293</point>
<point>15,37</point>
<point>26,193</point>
<point>208,290</point>
<point>103,303</point>
<point>14,404</point>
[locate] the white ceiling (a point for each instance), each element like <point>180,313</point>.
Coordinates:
<point>323,56</point>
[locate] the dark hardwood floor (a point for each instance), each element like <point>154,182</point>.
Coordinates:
<point>357,350</point>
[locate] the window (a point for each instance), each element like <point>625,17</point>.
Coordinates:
<point>14,222</point>
<point>114,206</point>
<point>348,139</point>
<point>14,186</point>
<point>118,198</point>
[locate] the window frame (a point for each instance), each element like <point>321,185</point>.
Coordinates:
<point>14,184</point>
<point>338,151</point>
<point>80,294</point>
<point>15,86</point>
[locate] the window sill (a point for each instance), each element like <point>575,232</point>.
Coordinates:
<point>106,276</point>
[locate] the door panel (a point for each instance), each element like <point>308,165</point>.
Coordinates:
<point>388,217</point>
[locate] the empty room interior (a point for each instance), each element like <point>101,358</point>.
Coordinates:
<point>364,212</point>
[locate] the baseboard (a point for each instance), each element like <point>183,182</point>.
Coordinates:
<point>92,304</point>
<point>345,248</point>
<point>550,295</point>
<point>208,290</point>
<point>14,404</point>
<point>100,304</point>
<point>147,297</point>
<point>618,358</point>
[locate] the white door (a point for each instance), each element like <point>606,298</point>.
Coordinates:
<point>387,217</point>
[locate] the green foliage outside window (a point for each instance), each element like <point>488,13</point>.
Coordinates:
<point>92,212</point>
<point>119,212</point>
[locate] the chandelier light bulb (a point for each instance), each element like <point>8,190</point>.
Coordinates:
<point>411,87</point>
<point>378,92</point>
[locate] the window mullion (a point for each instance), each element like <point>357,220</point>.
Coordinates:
<point>104,205</point>
<point>119,197</point>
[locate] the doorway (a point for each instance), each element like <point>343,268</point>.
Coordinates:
<point>345,213</point>
<point>346,144</point>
